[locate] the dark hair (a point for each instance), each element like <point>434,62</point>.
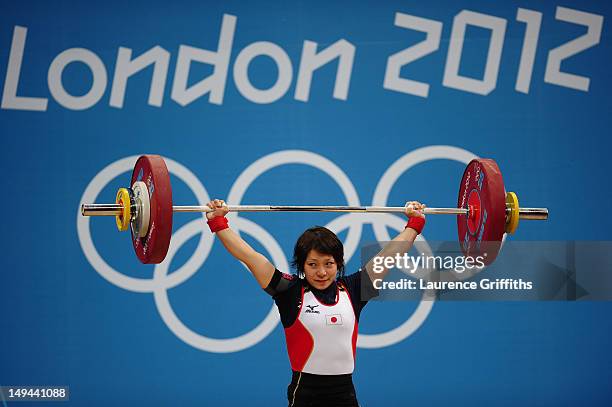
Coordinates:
<point>322,240</point>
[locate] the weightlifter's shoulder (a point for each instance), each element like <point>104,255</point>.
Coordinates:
<point>282,284</point>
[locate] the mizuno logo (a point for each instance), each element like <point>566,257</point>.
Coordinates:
<point>311,309</point>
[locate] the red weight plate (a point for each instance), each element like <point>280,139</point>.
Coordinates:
<point>482,191</point>
<point>152,170</point>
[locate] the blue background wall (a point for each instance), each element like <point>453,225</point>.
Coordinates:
<point>64,323</point>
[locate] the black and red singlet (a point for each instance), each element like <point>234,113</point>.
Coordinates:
<point>321,333</point>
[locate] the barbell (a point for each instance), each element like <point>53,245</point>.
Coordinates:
<point>485,211</point>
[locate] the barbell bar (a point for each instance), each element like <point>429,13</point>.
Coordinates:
<point>485,211</point>
<point>117,209</point>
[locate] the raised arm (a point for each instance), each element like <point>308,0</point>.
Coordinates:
<point>402,242</point>
<point>257,263</point>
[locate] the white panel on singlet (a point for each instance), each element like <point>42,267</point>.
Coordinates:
<point>331,327</point>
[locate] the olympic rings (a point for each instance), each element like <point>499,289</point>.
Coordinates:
<point>162,281</point>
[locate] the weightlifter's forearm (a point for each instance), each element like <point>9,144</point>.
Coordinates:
<point>257,263</point>
<point>237,247</point>
<point>402,243</point>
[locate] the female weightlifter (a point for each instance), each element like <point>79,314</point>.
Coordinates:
<point>319,307</point>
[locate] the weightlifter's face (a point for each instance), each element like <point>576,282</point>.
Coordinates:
<point>320,269</point>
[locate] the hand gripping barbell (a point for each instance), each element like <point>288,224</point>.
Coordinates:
<point>485,211</point>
